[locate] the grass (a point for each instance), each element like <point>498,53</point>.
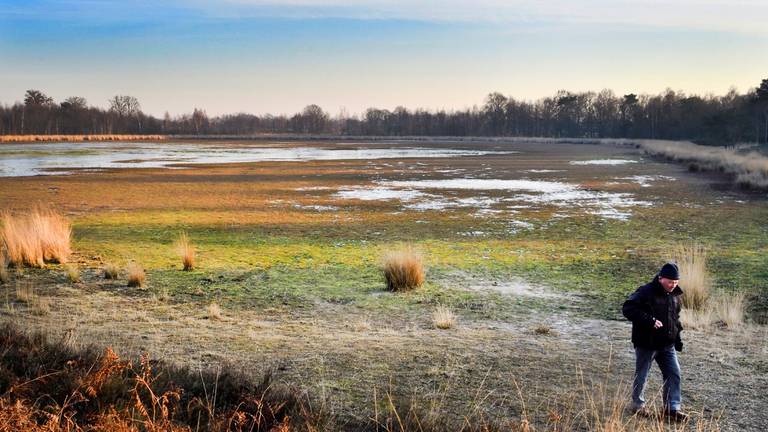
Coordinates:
<point>749,171</point>
<point>403,269</point>
<point>213,312</point>
<point>443,318</point>
<point>136,275</point>
<point>730,309</point>
<point>186,251</point>
<point>694,277</point>
<point>111,271</point>
<point>73,273</point>
<point>76,138</point>
<point>4,276</point>
<point>36,237</point>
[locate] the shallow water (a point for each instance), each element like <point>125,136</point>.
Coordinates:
<point>17,160</point>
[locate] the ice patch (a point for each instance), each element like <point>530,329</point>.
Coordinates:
<point>542,171</point>
<point>645,180</point>
<point>380,193</point>
<point>603,162</point>
<point>484,184</point>
<point>315,207</point>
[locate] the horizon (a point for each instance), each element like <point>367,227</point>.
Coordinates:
<point>267,57</point>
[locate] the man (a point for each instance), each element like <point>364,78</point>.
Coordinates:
<point>654,310</point>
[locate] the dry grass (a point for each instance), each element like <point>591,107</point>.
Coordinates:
<point>77,138</point>
<point>749,170</point>
<point>701,319</point>
<point>136,275</point>
<point>443,318</point>
<point>4,276</point>
<point>694,278</point>
<point>730,309</point>
<point>111,271</point>
<point>73,273</point>
<point>543,329</point>
<point>213,312</point>
<point>186,251</point>
<point>25,293</point>
<point>403,269</point>
<point>36,238</point>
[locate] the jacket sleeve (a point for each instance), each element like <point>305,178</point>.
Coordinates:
<point>634,309</point>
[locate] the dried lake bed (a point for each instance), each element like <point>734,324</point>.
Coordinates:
<point>289,234</point>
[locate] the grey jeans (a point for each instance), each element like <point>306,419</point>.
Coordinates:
<point>666,358</point>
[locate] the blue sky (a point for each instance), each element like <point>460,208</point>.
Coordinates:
<point>278,56</point>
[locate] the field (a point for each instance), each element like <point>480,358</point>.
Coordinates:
<point>532,246</point>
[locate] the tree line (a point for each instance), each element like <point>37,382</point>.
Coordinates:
<point>710,119</point>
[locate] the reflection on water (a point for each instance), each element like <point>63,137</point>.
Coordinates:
<point>18,160</point>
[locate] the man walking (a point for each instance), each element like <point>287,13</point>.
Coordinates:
<point>654,310</point>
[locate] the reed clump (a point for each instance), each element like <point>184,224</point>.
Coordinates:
<point>403,269</point>
<point>694,277</point>
<point>35,238</point>
<point>443,318</point>
<point>186,251</point>
<point>136,275</point>
<point>111,271</point>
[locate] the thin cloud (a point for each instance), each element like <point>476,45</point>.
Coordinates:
<point>744,16</point>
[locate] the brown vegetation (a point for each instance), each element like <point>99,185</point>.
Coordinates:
<point>136,275</point>
<point>78,138</point>
<point>749,170</point>
<point>443,318</point>
<point>111,271</point>
<point>214,312</point>
<point>73,273</point>
<point>36,238</point>
<point>694,277</point>
<point>49,387</point>
<point>186,251</point>
<point>403,269</point>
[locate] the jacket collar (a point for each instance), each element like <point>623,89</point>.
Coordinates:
<point>657,286</point>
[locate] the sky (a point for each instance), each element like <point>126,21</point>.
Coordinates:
<point>262,56</point>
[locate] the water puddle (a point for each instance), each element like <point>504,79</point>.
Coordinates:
<point>18,160</point>
<point>604,162</point>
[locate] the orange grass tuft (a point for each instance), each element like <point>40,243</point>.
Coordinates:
<point>36,238</point>
<point>694,278</point>
<point>186,251</point>
<point>136,275</point>
<point>403,269</point>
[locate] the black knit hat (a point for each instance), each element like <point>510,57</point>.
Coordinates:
<point>670,271</point>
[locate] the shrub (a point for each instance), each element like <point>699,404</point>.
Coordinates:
<point>36,238</point>
<point>4,276</point>
<point>111,271</point>
<point>186,251</point>
<point>542,329</point>
<point>692,261</point>
<point>136,275</point>
<point>403,269</point>
<point>443,318</point>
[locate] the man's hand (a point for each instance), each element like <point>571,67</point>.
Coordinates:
<point>657,325</point>
<point>679,346</point>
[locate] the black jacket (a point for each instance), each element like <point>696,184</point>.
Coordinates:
<point>649,303</point>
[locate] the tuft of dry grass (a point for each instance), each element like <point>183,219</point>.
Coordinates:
<point>403,269</point>
<point>25,293</point>
<point>543,329</point>
<point>701,319</point>
<point>692,261</point>
<point>111,271</point>
<point>730,309</point>
<point>186,251</point>
<point>136,275</point>
<point>4,276</point>
<point>443,318</point>
<point>73,273</point>
<point>749,170</point>
<point>214,312</point>
<point>36,238</point>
